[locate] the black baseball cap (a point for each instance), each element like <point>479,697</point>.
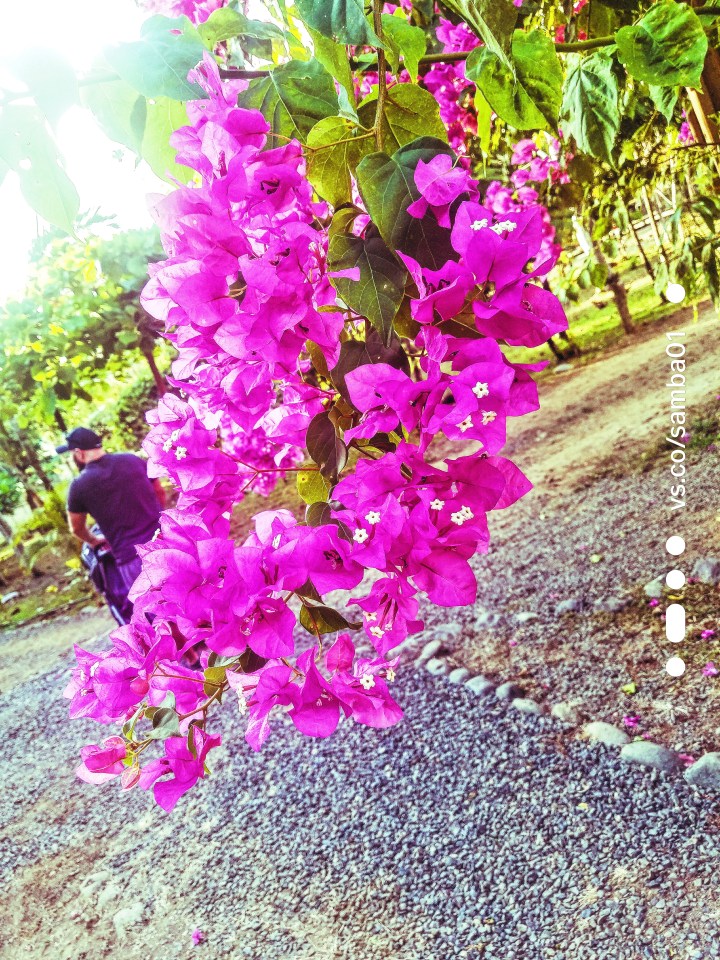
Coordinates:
<point>80,439</point>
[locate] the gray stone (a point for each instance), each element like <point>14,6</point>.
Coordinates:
<point>487,618</point>
<point>508,691</point>
<point>705,772</point>
<point>446,631</point>
<point>571,605</point>
<point>109,893</point>
<point>526,615</point>
<point>479,685</point>
<point>651,755</point>
<point>654,589</point>
<point>437,667</point>
<point>458,675</point>
<point>562,367</point>
<point>707,570</point>
<point>606,733</point>
<point>127,917</point>
<point>612,604</point>
<point>429,650</point>
<point>566,711</point>
<point>526,705</point>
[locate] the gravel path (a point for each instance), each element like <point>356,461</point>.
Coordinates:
<point>459,833</point>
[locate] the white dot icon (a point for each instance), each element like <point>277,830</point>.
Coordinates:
<point>675,579</point>
<point>675,666</point>
<point>675,545</point>
<point>675,292</point>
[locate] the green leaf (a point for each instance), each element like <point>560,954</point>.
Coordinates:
<point>666,47</point>
<point>404,40</point>
<point>387,186</point>
<point>665,100</point>
<point>225,24</point>
<point>380,289</point>
<point>165,723</point>
<point>333,56</point>
<point>325,446</point>
<point>119,109</point>
<point>590,105</point>
<point>164,116</point>
<point>320,620</point>
<point>27,148</point>
<point>333,154</point>
<point>50,80</point>
<point>491,20</point>
<point>410,112</point>
<point>342,20</point>
<point>293,98</point>
<point>312,486</point>
<point>529,98</point>
<point>158,65</point>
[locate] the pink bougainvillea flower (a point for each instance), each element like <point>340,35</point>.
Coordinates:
<point>707,634</point>
<point>185,767</point>
<point>654,602</point>
<point>101,762</point>
<point>197,936</point>
<point>631,722</point>
<point>710,670</point>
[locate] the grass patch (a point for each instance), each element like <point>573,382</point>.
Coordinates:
<point>44,598</point>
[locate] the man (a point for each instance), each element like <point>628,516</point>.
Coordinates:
<point>115,490</point>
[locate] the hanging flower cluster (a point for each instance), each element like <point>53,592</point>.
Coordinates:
<point>246,298</point>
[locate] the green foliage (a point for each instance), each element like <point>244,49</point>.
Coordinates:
<point>335,147</point>
<point>293,97</point>
<point>387,186</point>
<point>342,20</point>
<point>121,422</point>
<point>492,20</point>
<point>410,112</point>
<point>590,106</point>
<point>666,47</point>
<point>10,490</point>
<point>528,97</point>
<point>380,289</point>
<point>402,39</point>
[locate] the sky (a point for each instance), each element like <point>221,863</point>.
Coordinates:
<point>105,175</point>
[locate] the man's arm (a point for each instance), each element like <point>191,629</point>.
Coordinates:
<point>159,492</point>
<point>79,528</point>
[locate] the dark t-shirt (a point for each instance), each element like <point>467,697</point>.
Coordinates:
<point>117,493</point>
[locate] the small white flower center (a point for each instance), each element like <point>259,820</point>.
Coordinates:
<point>372,517</point>
<point>479,224</point>
<point>180,453</point>
<point>465,425</point>
<point>367,682</point>
<point>437,504</point>
<point>481,390</point>
<point>376,631</point>
<point>488,416</point>
<point>360,535</point>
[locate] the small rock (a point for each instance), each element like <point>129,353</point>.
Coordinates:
<point>526,615</point>
<point>651,755</point>
<point>705,772</point>
<point>612,604</point>
<point>127,917</point>
<point>562,367</point>
<point>479,685</point>
<point>508,691</point>
<point>458,675</point>
<point>436,667</point>
<point>571,605</point>
<point>707,570</point>
<point>606,733</point>
<point>429,650</point>
<point>654,589</point>
<point>487,618</point>
<point>566,712</point>
<point>526,705</point>
<point>108,894</point>
<point>446,631</point>
<point>9,596</point>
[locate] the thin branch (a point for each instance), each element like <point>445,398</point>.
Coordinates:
<point>382,76</point>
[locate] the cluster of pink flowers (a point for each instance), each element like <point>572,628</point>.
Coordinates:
<point>450,87</point>
<point>243,288</point>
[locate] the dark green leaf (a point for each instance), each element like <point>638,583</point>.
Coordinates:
<point>325,446</point>
<point>380,289</point>
<point>665,100</point>
<point>404,40</point>
<point>293,98</point>
<point>333,153</point>
<point>158,64</point>
<point>118,107</point>
<point>319,620</point>
<point>342,20</point>
<point>590,105</point>
<point>333,56</point>
<point>27,148</point>
<point>387,186</point>
<point>165,724</point>
<point>529,98</point>
<point>318,514</point>
<point>410,112</point>
<point>491,20</point>
<point>666,47</point>
<point>225,24</point>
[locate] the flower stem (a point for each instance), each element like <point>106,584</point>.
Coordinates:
<point>382,76</point>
